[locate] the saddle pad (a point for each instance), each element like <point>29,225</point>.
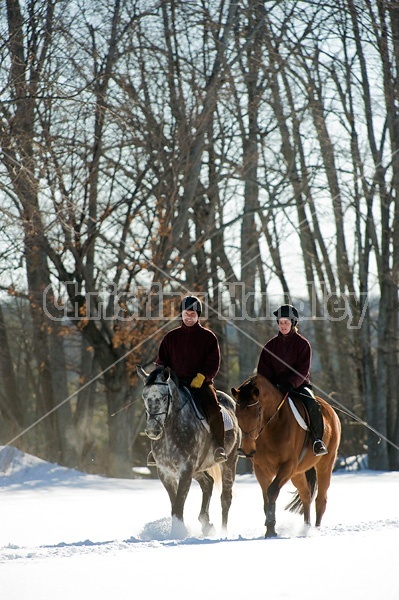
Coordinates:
<point>227,420</point>
<point>301,422</point>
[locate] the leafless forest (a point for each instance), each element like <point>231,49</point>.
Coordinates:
<point>246,151</point>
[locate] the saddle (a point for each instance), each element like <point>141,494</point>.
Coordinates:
<point>298,417</point>
<point>313,415</point>
<point>313,423</point>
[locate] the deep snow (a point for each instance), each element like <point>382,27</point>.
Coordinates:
<point>69,535</point>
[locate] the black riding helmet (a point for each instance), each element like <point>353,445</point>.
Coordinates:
<point>191,303</point>
<point>287,311</point>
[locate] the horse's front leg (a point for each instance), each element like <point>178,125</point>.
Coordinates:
<point>269,507</point>
<point>271,495</point>
<point>170,484</point>
<point>183,488</point>
<point>270,512</point>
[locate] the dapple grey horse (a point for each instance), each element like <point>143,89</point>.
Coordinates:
<point>183,447</point>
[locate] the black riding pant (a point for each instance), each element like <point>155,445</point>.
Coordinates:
<point>206,399</point>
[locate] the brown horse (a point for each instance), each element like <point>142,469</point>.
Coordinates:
<point>281,450</point>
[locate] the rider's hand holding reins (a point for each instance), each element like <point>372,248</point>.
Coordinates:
<point>197,381</point>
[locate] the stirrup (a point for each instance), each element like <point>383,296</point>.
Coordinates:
<point>319,448</point>
<point>151,460</point>
<point>220,455</point>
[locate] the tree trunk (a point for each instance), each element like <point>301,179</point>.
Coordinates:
<point>10,401</point>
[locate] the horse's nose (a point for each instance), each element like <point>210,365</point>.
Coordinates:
<point>241,452</point>
<point>153,433</point>
<point>248,447</point>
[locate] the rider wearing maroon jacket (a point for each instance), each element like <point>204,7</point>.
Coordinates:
<point>285,361</point>
<point>193,353</point>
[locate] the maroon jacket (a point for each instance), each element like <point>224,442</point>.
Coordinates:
<point>190,350</point>
<point>285,351</point>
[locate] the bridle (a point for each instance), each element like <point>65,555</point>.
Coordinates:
<point>248,434</point>
<point>154,416</point>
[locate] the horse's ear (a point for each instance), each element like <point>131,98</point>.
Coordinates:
<point>166,374</point>
<point>141,373</point>
<point>234,393</point>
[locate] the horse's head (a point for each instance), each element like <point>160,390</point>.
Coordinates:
<point>248,412</point>
<point>157,398</point>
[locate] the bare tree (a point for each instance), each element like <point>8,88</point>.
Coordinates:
<point>203,146</point>
<point>28,44</point>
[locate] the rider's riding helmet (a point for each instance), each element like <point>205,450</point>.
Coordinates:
<point>287,311</point>
<point>191,303</point>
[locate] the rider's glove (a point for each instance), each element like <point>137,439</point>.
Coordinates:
<point>197,381</point>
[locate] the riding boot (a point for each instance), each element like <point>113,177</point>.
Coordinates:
<point>316,426</point>
<point>209,403</point>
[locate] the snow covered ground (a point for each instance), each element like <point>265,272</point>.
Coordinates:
<point>67,535</point>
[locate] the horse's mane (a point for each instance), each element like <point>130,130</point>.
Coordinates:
<point>154,374</point>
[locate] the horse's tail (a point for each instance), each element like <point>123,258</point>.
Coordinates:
<point>296,506</point>
<point>216,474</point>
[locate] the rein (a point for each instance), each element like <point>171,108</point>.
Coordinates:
<point>260,429</point>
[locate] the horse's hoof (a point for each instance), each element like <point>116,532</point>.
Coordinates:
<point>270,533</point>
<point>208,529</point>
<point>178,530</point>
